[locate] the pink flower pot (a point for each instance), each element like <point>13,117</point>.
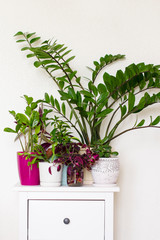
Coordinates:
<point>28,175</point>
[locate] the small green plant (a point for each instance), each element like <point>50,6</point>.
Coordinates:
<point>115,99</point>
<point>30,125</point>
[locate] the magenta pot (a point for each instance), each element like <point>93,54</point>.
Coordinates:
<point>29,175</point>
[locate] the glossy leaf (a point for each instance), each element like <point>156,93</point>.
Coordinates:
<point>57,105</point>
<point>131,101</point>
<point>104,113</point>
<point>47,98</point>
<point>141,123</point>
<point>34,40</point>
<point>156,121</point>
<point>63,108</point>
<point>9,130</point>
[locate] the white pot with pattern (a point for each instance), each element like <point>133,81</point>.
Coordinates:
<point>105,172</point>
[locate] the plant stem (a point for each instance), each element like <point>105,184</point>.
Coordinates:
<point>127,130</point>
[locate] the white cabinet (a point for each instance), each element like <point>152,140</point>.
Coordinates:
<point>66,213</point>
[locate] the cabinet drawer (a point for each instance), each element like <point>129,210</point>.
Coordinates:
<point>46,219</point>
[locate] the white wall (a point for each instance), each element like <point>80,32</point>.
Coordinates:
<point>92,29</point>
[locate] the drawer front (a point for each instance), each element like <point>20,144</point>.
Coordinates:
<point>84,220</point>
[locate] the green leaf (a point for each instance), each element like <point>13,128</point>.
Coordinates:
<point>104,113</point>
<point>63,108</point>
<point>141,123</point>
<point>71,115</point>
<point>131,101</point>
<point>99,108</point>
<point>22,118</point>
<point>61,84</point>
<point>86,93</point>
<point>29,100</point>
<point>18,34</point>
<point>13,113</point>
<point>30,55</point>
<point>57,105</point>
<point>156,121</point>
<point>102,98</point>
<point>37,64</point>
<point>18,127</point>
<point>9,130</point>
<point>24,48</point>
<point>30,35</point>
<point>34,40</point>
<point>78,80</point>
<point>28,111</point>
<point>46,97</point>
<point>93,88</point>
<point>52,100</point>
<point>101,88</point>
<point>123,110</point>
<point>68,60</point>
<point>21,40</point>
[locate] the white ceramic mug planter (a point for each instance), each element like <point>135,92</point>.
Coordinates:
<point>105,172</point>
<point>49,176</point>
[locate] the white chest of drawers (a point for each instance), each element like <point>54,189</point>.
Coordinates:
<point>70,213</point>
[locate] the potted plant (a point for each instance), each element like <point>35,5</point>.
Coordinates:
<point>50,170</point>
<point>114,99</point>
<point>76,162</point>
<point>30,126</point>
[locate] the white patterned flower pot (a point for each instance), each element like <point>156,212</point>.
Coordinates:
<point>49,176</point>
<point>105,172</point>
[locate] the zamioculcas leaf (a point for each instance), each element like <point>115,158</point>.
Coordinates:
<point>25,48</point>
<point>71,115</point>
<point>86,93</point>
<point>52,100</point>
<point>30,35</point>
<point>37,64</point>
<point>57,105</point>
<point>104,113</point>
<point>34,39</point>
<point>123,110</point>
<point>18,34</point>
<point>101,88</point>
<point>63,108</point>
<point>47,99</point>
<point>131,101</point>
<point>61,84</point>
<point>156,121</point>
<point>21,40</point>
<point>78,80</point>
<point>30,55</point>
<point>141,123</point>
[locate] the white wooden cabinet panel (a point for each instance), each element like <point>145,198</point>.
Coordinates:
<point>42,211</point>
<point>46,220</point>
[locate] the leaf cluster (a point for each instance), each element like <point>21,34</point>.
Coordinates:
<point>114,99</point>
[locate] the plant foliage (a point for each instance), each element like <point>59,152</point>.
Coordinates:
<point>125,93</point>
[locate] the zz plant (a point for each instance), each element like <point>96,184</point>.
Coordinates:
<point>115,98</point>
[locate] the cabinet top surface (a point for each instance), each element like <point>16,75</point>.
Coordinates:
<point>86,188</point>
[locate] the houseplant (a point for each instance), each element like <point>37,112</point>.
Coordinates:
<point>76,162</point>
<point>115,99</point>
<point>51,171</point>
<point>30,126</point>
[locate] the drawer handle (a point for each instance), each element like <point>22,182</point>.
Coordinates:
<point>66,221</point>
